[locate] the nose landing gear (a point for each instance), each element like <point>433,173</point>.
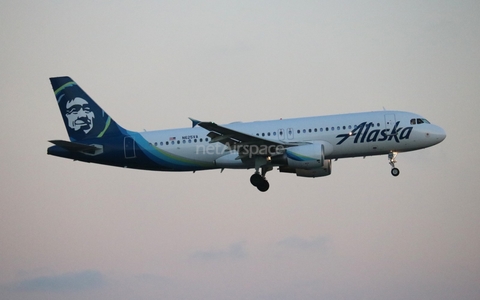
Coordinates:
<point>391,158</point>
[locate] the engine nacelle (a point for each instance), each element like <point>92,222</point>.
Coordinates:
<point>310,156</point>
<point>324,170</point>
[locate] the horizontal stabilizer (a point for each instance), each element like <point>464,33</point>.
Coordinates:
<point>74,147</point>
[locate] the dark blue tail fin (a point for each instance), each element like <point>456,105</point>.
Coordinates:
<point>83,118</point>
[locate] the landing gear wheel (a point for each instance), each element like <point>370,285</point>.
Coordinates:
<point>391,160</point>
<point>263,186</point>
<point>256,179</point>
<point>395,172</point>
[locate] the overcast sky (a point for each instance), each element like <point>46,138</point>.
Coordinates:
<point>71,230</point>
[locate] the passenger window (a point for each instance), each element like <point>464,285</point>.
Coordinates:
<point>304,131</point>
<point>310,130</point>
<point>298,131</point>
<point>315,129</point>
<point>333,128</point>
<point>326,128</point>
<point>166,143</point>
<point>268,134</point>
<point>161,143</point>
<point>274,133</point>
<point>321,129</point>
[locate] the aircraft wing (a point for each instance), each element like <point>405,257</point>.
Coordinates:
<point>242,142</point>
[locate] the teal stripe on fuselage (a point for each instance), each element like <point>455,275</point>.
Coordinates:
<point>166,159</point>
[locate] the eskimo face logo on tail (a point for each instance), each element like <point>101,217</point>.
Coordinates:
<point>363,134</point>
<point>83,118</point>
<point>79,115</point>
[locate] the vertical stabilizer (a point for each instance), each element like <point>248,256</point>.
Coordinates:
<point>83,118</point>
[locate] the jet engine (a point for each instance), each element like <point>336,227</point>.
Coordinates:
<point>308,160</point>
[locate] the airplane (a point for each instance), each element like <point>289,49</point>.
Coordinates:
<point>302,146</point>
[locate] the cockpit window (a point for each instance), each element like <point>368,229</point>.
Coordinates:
<point>421,121</point>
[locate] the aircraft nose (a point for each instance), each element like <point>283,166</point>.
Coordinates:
<point>438,133</point>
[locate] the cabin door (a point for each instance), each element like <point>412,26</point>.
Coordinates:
<point>129,147</point>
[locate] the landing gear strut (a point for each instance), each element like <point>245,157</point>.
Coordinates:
<point>391,158</point>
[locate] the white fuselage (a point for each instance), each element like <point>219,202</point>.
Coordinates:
<point>345,135</point>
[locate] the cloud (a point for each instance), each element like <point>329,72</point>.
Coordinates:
<point>234,251</point>
<point>318,243</point>
<point>75,281</point>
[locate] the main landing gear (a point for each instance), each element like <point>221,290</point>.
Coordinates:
<point>258,180</point>
<point>391,158</point>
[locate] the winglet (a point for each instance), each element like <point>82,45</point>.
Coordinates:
<point>195,122</point>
